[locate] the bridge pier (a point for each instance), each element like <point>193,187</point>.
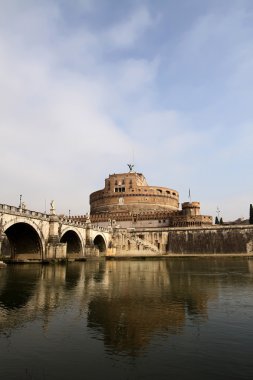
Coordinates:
<point>54,227</point>
<point>1,236</point>
<point>55,249</point>
<point>1,242</point>
<point>89,240</point>
<point>90,248</point>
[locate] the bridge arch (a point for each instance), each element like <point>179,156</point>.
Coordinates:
<point>100,243</point>
<point>74,241</point>
<point>25,239</point>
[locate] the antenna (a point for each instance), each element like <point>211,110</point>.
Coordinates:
<point>189,196</point>
<point>131,166</point>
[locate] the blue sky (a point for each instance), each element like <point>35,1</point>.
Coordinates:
<point>85,85</point>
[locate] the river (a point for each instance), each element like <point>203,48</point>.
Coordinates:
<point>178,318</point>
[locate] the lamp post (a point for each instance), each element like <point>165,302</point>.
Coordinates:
<point>69,213</point>
<point>20,200</point>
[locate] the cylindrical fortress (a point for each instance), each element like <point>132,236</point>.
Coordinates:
<point>129,192</point>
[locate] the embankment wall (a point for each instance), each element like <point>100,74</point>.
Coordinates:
<point>211,240</point>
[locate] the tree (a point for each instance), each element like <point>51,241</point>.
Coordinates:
<point>217,220</point>
<point>250,214</point>
<point>221,221</point>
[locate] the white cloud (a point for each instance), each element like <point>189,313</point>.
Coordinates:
<point>125,34</point>
<point>173,130</point>
<point>133,75</point>
<point>76,100</point>
<point>53,132</point>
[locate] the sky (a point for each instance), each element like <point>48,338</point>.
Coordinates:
<point>88,86</point>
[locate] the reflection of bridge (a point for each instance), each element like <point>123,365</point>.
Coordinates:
<point>31,235</point>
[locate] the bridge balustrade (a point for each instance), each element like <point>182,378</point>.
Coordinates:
<point>100,228</point>
<point>70,222</point>
<point>19,211</point>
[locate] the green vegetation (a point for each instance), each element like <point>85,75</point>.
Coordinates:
<point>250,214</point>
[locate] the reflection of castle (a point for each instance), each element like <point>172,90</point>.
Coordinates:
<point>126,302</point>
<point>143,299</point>
<point>128,200</point>
<point>134,306</point>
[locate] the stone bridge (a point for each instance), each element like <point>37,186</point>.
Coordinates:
<point>31,235</point>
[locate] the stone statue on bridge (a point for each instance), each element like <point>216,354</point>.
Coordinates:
<point>23,206</point>
<point>52,207</point>
<point>88,221</point>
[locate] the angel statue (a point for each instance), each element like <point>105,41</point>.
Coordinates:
<point>130,167</point>
<point>52,207</point>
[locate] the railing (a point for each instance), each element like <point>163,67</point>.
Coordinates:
<point>151,246</point>
<point>19,211</point>
<point>13,210</point>
<point>101,229</point>
<point>145,243</point>
<point>72,222</point>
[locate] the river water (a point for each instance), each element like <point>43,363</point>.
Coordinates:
<point>189,318</point>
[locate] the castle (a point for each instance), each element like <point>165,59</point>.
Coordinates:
<point>129,202</point>
<point>127,218</point>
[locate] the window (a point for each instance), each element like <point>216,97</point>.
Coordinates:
<point>119,189</point>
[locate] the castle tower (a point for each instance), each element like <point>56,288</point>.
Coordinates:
<point>191,208</point>
<point>130,192</point>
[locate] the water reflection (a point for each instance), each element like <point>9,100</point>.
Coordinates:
<point>33,291</point>
<point>124,303</point>
<point>133,304</point>
<point>16,294</point>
